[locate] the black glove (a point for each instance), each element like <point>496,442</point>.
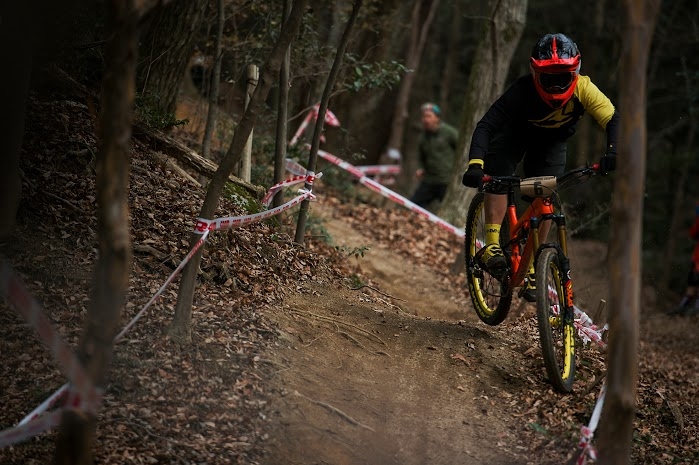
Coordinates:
<point>607,163</point>
<point>473,177</point>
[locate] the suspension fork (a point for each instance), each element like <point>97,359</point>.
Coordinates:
<point>568,312</point>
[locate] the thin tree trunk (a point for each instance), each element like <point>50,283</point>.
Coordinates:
<point>215,87</point>
<point>496,47</point>
<point>586,138</point>
<point>616,423</point>
<point>418,38</point>
<point>17,29</point>
<point>253,75</point>
<point>358,110</point>
<point>111,275</point>
<point>282,113</point>
<point>451,59</point>
<point>315,144</point>
<point>180,328</point>
<point>678,207</point>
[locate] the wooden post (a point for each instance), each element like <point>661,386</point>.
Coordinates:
<point>245,164</point>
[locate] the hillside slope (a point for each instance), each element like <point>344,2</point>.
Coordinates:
<point>305,355</point>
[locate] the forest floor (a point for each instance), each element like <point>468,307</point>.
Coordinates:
<point>359,348</point>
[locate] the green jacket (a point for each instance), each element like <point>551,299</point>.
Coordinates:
<point>437,153</point>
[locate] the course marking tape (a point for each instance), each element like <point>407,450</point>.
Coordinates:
<point>33,423</point>
<point>30,428</point>
<point>330,119</point>
<point>47,404</point>
<point>236,221</point>
<point>27,306</point>
<point>588,432</point>
<point>379,169</point>
<point>388,193</point>
<point>305,177</point>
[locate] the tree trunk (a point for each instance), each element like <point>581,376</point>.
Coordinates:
<point>14,88</point>
<point>180,329</point>
<point>499,39</point>
<point>320,120</point>
<point>245,172</point>
<point>215,85</point>
<point>451,60</point>
<point>167,45</point>
<point>616,423</point>
<point>111,275</point>
<point>587,149</point>
<point>678,206</point>
<point>282,112</point>
<point>365,111</point>
<point>418,38</point>
<point>158,141</point>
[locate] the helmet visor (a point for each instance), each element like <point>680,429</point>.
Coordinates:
<point>556,83</point>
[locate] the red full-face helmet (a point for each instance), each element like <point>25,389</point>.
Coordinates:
<point>555,65</point>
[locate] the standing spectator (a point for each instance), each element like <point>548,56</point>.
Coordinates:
<point>689,305</point>
<point>436,156</point>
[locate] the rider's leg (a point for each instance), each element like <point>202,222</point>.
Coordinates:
<point>495,206</point>
<point>501,160</point>
<point>547,159</point>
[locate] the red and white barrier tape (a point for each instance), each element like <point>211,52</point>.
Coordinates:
<point>304,176</point>
<point>52,400</point>
<point>30,429</point>
<point>237,221</point>
<point>18,295</point>
<point>32,421</point>
<point>588,432</point>
<point>388,193</point>
<point>379,169</point>
<point>63,390</point>
<point>295,168</point>
<point>170,278</point>
<point>330,120</point>
<point>587,330</point>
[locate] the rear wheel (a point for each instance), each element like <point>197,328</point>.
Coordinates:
<point>556,331</point>
<point>491,298</point>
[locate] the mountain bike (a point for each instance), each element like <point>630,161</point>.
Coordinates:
<point>519,241</point>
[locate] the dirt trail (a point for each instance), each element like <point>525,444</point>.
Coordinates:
<point>406,379</point>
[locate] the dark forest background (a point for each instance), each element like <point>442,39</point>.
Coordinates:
<point>176,57</point>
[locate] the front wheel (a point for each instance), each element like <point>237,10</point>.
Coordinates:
<point>491,298</point>
<point>556,330</point>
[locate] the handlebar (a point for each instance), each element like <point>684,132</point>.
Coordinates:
<point>549,183</point>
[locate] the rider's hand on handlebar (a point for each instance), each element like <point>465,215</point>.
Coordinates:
<point>473,177</point>
<point>607,163</point>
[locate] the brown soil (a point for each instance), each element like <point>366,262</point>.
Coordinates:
<point>407,375</point>
<point>314,355</point>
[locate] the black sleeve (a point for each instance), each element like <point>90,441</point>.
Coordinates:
<point>612,130</point>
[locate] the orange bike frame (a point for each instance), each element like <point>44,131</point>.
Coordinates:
<point>539,208</point>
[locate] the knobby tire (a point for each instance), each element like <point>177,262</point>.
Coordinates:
<point>491,299</point>
<point>557,335</point>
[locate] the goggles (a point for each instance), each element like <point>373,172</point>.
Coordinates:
<point>556,83</point>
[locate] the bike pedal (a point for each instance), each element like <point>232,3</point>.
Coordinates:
<point>527,294</point>
<point>499,273</point>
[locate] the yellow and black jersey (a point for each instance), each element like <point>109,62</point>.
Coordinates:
<point>533,121</point>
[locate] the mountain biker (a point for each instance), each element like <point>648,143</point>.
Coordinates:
<point>530,122</point>
<point>690,303</point>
